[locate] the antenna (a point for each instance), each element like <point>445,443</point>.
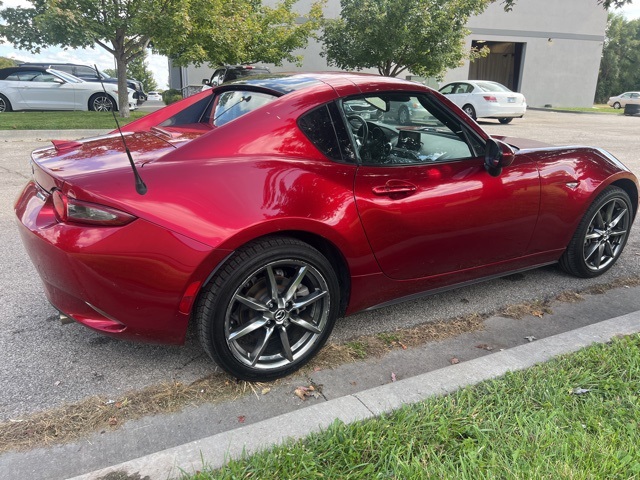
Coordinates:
<point>141,187</point>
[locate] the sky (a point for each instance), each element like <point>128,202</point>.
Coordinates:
<point>157,64</point>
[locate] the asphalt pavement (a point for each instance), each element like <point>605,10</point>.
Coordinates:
<point>44,365</point>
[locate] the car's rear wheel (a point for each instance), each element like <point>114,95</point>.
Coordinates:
<point>504,121</point>
<point>101,102</point>
<point>5,104</point>
<point>617,105</point>
<point>469,110</point>
<point>269,309</point>
<point>601,235</point>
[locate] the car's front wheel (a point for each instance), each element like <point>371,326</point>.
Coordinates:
<point>617,105</point>
<point>5,104</point>
<point>601,235</point>
<point>505,120</point>
<point>101,102</point>
<point>269,309</point>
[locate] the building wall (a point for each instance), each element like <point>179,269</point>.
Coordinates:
<point>563,47</point>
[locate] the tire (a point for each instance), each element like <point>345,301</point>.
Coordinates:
<point>600,236</point>
<point>256,332</point>
<point>403,116</point>
<point>101,102</point>
<point>5,104</point>
<point>504,121</point>
<point>469,110</point>
<point>617,105</point>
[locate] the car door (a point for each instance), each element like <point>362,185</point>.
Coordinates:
<point>48,92</point>
<point>430,208</point>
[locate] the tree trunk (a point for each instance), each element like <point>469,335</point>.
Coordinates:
<point>123,92</point>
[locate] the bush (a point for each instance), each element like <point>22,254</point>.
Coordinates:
<point>171,96</point>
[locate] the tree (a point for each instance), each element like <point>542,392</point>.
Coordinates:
<point>139,70</point>
<point>189,30</point>
<point>606,4</point>
<point>6,62</point>
<point>423,36</point>
<point>619,70</point>
<point>239,32</point>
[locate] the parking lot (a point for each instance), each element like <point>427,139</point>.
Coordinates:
<point>44,364</point>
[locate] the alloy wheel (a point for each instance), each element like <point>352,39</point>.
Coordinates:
<point>606,235</point>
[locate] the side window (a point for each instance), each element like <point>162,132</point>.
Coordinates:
<point>24,76</point>
<point>414,129</point>
<point>44,78</point>
<point>325,128</point>
<point>217,78</point>
<point>86,72</point>
<point>448,90</point>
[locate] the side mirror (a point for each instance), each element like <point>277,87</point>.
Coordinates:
<point>58,80</point>
<point>497,156</point>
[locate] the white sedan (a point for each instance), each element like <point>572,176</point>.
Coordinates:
<point>38,88</point>
<point>484,99</point>
<point>620,101</point>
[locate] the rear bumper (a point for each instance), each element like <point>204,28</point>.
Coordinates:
<point>502,111</point>
<point>126,281</point>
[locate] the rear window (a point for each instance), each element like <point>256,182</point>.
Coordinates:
<point>492,87</point>
<point>233,104</point>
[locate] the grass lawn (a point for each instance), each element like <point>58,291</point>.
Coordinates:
<point>576,417</point>
<point>62,120</point>
<point>598,108</point>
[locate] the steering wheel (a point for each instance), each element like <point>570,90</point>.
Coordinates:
<point>362,129</point>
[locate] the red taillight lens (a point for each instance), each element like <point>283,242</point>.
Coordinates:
<point>490,98</point>
<point>71,210</point>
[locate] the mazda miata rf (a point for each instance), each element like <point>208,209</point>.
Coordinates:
<point>265,209</point>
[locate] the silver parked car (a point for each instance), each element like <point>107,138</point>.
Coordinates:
<point>620,101</point>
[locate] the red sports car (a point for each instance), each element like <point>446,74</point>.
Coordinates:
<point>267,208</point>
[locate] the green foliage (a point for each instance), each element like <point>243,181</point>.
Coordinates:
<point>7,62</point>
<point>620,66</point>
<point>236,32</point>
<point>606,4</point>
<point>139,70</point>
<point>425,37</point>
<point>171,96</point>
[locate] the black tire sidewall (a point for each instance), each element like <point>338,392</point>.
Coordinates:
<point>223,286</point>
<point>572,260</point>
<point>471,112</point>
<point>7,103</point>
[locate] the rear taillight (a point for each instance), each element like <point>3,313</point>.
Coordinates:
<point>71,210</point>
<point>490,98</point>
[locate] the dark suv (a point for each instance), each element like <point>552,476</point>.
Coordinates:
<point>228,73</point>
<point>89,74</point>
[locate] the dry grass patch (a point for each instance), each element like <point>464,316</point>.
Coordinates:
<point>536,308</point>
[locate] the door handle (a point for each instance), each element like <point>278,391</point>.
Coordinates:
<point>395,188</point>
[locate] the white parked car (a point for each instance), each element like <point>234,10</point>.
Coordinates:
<point>39,88</point>
<point>155,96</point>
<point>484,99</point>
<point>620,101</point>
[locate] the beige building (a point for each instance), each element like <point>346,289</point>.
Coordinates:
<point>549,50</point>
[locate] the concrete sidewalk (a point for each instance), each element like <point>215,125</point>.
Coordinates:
<point>218,449</point>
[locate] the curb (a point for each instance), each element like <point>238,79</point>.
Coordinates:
<point>216,450</point>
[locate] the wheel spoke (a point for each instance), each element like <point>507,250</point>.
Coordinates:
<point>592,248</point>
<point>615,221</point>
<point>609,212</point>
<point>252,304</point>
<point>255,355</point>
<point>617,233</point>
<point>246,329</point>
<point>295,282</point>
<point>309,299</point>
<point>608,249</point>
<point>304,324</point>
<point>599,221</point>
<point>273,285</point>
<point>593,236</point>
<point>598,260</point>
<point>286,348</point>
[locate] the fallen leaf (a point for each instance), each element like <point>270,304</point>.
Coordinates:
<point>317,369</point>
<point>113,421</point>
<point>404,347</point>
<point>241,418</point>
<point>484,346</point>
<point>393,377</point>
<point>266,390</point>
<point>454,361</point>
<point>118,405</point>
<point>530,338</point>
<point>302,393</point>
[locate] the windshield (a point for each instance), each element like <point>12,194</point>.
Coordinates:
<point>492,87</point>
